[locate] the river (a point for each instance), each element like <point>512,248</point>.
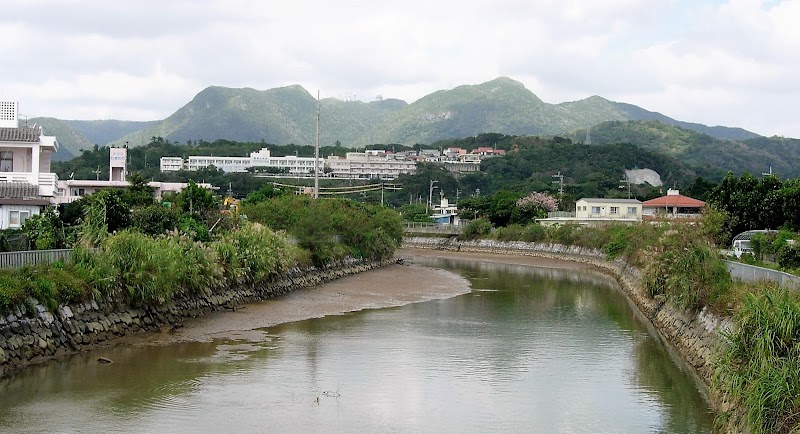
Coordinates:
<point>528,349</point>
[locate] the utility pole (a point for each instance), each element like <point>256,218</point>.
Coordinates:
<point>381,194</point>
<point>430,195</point>
<point>560,182</point>
<point>626,182</point>
<point>316,155</point>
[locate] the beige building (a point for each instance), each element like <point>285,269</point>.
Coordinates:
<point>596,211</point>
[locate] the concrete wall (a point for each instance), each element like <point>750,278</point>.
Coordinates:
<point>27,338</point>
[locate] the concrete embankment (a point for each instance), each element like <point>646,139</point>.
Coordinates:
<point>693,335</point>
<point>31,337</point>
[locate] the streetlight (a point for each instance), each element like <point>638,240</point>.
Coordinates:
<point>430,195</point>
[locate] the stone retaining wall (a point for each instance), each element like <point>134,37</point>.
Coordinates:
<point>695,336</point>
<point>27,338</point>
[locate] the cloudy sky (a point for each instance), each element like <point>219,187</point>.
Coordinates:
<point>718,62</point>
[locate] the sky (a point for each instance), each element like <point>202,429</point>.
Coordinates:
<point>717,62</point>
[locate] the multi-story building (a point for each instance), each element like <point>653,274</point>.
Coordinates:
<point>26,182</point>
<point>259,159</point>
<point>369,166</point>
<point>73,189</point>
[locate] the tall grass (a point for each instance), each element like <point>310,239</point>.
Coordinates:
<point>253,254</point>
<point>684,268</point>
<point>759,367</point>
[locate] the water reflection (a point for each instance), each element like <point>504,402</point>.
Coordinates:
<point>530,349</point>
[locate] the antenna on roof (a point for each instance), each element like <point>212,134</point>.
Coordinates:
<point>97,173</point>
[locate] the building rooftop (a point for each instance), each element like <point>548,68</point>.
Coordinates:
<point>608,200</point>
<point>22,190</point>
<point>24,134</point>
<point>673,201</point>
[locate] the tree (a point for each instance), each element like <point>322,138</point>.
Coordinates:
<point>196,200</point>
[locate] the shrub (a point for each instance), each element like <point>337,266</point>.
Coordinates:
<point>759,367</point>
<point>684,267</point>
<point>12,290</point>
<point>253,254</point>
<point>476,229</point>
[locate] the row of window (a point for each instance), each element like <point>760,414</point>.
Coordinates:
<point>613,210</point>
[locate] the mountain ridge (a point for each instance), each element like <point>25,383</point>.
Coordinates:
<point>285,115</point>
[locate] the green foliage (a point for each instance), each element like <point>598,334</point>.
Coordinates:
<point>253,254</point>
<point>685,269</point>
<point>789,257</point>
<point>44,231</point>
<point>759,367</point>
<point>12,290</point>
<point>413,212</point>
<point>267,191</point>
<point>751,203</point>
<point>196,200</point>
<point>331,229</point>
<point>476,229</point>
<point>528,233</point>
<point>154,219</point>
<point>104,212</point>
<point>191,226</point>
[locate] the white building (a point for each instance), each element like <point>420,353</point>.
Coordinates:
<point>74,189</point>
<point>226,164</point>
<point>609,209</point>
<point>369,166</point>
<point>26,182</point>
<point>171,164</point>
<point>597,211</point>
<point>259,159</point>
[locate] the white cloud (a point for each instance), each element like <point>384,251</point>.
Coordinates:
<point>720,62</point>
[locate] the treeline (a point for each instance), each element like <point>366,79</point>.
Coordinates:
<point>529,165</point>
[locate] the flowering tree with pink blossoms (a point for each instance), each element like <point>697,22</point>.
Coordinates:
<point>537,204</point>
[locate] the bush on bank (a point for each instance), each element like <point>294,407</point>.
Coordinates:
<point>759,367</point>
<point>331,229</point>
<point>140,270</point>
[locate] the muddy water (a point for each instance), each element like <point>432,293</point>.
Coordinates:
<point>526,350</point>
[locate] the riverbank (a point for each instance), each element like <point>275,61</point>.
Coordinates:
<point>30,336</point>
<point>390,286</point>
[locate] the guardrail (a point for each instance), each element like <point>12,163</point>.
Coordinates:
<point>751,273</point>
<point>32,257</point>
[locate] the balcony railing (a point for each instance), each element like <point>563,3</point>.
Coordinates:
<point>46,181</point>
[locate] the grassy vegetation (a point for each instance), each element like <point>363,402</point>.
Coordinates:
<point>759,368</point>
<point>331,229</point>
<point>156,258</point>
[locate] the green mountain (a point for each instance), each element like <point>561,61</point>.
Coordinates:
<point>711,156</point>
<point>106,131</point>
<point>70,140</point>
<point>288,115</point>
<point>281,115</point>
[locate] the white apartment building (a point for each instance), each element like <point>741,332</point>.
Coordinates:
<point>226,164</point>
<point>171,164</point>
<point>262,158</point>
<point>26,182</point>
<point>369,166</point>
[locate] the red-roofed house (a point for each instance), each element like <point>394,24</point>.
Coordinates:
<point>673,205</point>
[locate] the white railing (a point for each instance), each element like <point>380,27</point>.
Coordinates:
<point>32,257</point>
<point>46,181</point>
